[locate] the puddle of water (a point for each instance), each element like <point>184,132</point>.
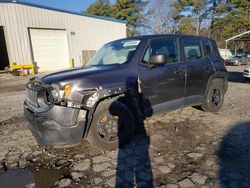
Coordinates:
<point>21,177</point>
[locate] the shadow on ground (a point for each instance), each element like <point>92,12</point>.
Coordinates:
<point>234,157</point>
<point>133,163</point>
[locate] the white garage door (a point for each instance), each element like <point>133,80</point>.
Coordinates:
<point>50,49</point>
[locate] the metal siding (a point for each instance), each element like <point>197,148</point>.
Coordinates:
<point>90,33</point>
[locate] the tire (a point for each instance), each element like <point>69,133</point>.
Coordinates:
<point>104,133</point>
<point>246,79</point>
<point>214,98</point>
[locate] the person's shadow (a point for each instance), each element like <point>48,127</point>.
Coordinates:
<point>133,161</point>
<point>234,157</point>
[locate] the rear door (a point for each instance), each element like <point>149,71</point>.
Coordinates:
<point>162,86</point>
<point>198,66</point>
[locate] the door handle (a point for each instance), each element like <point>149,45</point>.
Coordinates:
<point>178,72</point>
<point>207,67</point>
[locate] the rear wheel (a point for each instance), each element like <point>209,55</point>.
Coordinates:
<point>112,126</point>
<point>214,97</point>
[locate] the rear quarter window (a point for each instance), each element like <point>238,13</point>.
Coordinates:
<point>207,47</point>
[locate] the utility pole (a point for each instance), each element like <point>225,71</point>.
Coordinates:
<point>198,25</point>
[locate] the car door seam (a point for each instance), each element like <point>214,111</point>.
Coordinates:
<point>212,63</point>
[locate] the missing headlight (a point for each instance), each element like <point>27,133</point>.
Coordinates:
<point>92,100</point>
<point>90,97</point>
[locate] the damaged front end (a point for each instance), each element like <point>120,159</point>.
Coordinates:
<point>54,118</point>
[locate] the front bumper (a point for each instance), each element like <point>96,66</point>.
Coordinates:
<point>246,72</point>
<point>59,126</point>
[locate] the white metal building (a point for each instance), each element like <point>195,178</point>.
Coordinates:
<point>51,37</point>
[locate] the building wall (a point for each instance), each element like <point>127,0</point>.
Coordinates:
<point>89,33</point>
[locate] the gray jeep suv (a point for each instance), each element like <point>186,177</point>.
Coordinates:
<point>125,82</point>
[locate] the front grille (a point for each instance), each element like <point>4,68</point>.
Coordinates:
<point>247,71</point>
<point>38,98</point>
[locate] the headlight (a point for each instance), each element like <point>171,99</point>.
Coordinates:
<point>56,92</point>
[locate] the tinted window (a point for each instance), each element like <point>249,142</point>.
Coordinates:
<point>146,57</point>
<point>207,47</point>
<point>168,47</point>
<point>192,49</point>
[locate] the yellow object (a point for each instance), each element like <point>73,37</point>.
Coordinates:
<point>72,63</point>
<point>14,66</point>
<point>66,90</point>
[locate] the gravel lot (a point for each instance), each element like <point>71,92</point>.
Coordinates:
<point>184,148</point>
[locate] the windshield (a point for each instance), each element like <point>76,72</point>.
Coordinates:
<point>117,52</point>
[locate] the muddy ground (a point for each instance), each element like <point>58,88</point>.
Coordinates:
<point>184,148</point>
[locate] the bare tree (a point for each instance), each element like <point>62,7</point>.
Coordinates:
<point>157,18</point>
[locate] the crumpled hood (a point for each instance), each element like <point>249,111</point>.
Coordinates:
<point>70,74</point>
<point>89,78</point>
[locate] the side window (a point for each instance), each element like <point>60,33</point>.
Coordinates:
<point>146,57</point>
<point>207,47</point>
<point>168,47</point>
<point>192,49</point>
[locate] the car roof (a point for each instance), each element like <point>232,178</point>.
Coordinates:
<point>168,35</point>
<point>148,37</point>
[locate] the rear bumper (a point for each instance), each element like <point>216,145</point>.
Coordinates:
<point>59,126</point>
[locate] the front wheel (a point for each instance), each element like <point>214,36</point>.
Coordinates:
<point>215,96</point>
<point>112,126</point>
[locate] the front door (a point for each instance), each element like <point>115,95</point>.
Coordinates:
<point>162,86</point>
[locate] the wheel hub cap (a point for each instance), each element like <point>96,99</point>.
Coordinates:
<point>216,97</point>
<point>108,127</point>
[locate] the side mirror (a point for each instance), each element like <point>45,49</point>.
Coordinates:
<point>159,59</point>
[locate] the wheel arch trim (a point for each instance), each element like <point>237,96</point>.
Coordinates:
<point>109,95</point>
<point>218,75</point>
